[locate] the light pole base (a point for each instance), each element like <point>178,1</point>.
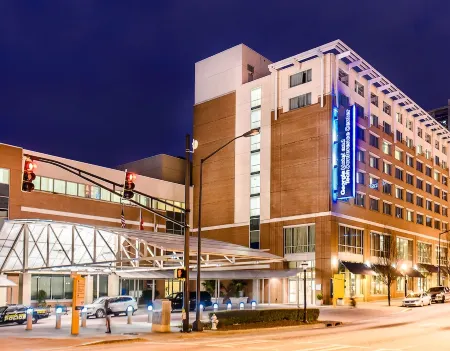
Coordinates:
<point>197,326</point>
<point>186,326</point>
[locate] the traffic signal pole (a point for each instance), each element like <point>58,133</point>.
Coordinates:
<point>187,183</point>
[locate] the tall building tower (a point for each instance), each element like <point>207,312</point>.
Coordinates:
<point>442,114</point>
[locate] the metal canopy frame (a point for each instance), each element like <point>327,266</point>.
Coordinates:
<point>364,69</point>
<point>36,245</point>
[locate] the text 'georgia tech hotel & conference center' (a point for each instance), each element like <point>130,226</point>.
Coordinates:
<point>345,164</point>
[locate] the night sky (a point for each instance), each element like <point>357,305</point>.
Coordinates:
<point>108,82</point>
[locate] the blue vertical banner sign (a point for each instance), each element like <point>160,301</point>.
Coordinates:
<point>344,153</point>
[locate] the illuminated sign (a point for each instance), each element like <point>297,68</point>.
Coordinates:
<point>344,149</point>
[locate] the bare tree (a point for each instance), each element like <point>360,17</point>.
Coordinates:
<point>387,262</point>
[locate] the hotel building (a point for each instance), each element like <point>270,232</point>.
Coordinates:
<point>345,164</point>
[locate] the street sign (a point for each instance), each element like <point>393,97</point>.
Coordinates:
<point>77,301</point>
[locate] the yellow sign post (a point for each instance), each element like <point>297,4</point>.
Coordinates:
<point>338,287</point>
<point>77,302</point>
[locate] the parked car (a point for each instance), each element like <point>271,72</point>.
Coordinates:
<point>18,314</point>
<point>417,299</point>
<point>439,294</point>
<point>177,300</point>
<point>117,304</point>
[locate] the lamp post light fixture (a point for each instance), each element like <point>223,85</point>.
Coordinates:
<point>439,256</point>
<point>304,266</point>
<point>197,326</point>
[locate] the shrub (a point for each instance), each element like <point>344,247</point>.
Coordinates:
<point>269,315</point>
<point>319,296</point>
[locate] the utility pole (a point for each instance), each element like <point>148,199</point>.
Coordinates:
<point>187,183</point>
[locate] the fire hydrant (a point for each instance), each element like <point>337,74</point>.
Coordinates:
<point>214,322</point>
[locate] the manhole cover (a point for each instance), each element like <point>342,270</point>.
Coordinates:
<point>130,334</point>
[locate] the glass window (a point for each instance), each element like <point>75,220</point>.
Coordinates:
<point>377,286</point>
<point>360,199</point>
<point>429,222</point>
<point>386,108</point>
<point>359,88</point>
<point>409,216</point>
<point>410,161</point>
<point>374,204</point>
<point>44,284</point>
<point>34,287</point>
<point>46,184</point>
<point>255,162</point>
<point>300,101</point>
<point>399,173</point>
<point>437,224</point>
<point>103,285</point>
<point>409,179</point>
<point>360,134</point>
<point>387,188</point>
<point>374,99</point>
<point>71,188</point>
<point>404,249</point>
<point>387,127</point>
<point>373,141</point>
<point>398,155</point>
<point>373,161</point>
<point>419,166</point>
<point>437,176</point>
<point>386,148</point>
<point>57,287</point>
<point>350,240</point>
<point>387,208</point>
<point>423,252</point>
<point>343,77</point>
<point>387,168</point>
<point>300,78</point>
<point>380,244</point>
<point>255,142</point>
<point>419,219</point>
<point>94,192</point>
<point>374,120</point>
<point>59,186</point>
<point>299,239</point>
<point>399,193</point>
<point>254,206</point>
<point>105,195</point>
<point>255,97</point>
<point>82,190</point>
<point>428,171</point>
<point>255,118</point>
<point>419,183</point>
<point>37,183</point>
<point>398,212</point>
<point>361,156</point>
<point>409,197</point>
<point>68,287</point>
<point>373,183</point>
<point>255,184</point>
<point>360,178</point>
<point>429,205</point>
<point>4,176</point>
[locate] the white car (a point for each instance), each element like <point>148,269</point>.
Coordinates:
<point>417,299</point>
<point>117,304</point>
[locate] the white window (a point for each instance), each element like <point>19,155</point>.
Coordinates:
<point>255,97</point>
<point>254,206</point>
<point>409,216</point>
<point>46,184</point>
<point>4,176</point>
<point>300,101</point>
<point>71,188</point>
<point>255,142</point>
<point>255,184</point>
<point>399,117</point>
<point>105,195</point>
<point>256,119</point>
<point>359,88</point>
<point>300,78</point>
<point>255,162</point>
<point>398,155</point>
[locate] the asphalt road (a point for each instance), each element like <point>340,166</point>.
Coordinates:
<point>374,328</point>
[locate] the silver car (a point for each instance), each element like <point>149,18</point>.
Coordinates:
<point>118,305</point>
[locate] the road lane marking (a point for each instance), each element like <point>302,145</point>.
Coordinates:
<point>328,348</point>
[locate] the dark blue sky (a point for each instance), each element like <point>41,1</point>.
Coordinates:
<point>112,81</point>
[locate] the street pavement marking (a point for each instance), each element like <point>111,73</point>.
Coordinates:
<point>238,343</point>
<point>328,348</point>
<point>405,310</point>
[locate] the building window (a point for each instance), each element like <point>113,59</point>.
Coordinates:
<point>429,222</point>
<point>409,197</point>
<point>255,142</point>
<point>428,188</point>
<point>399,136</point>
<point>419,201</point>
<point>398,155</point>
<point>444,226</point>
<point>373,120</point>
<point>254,184</point>
<point>419,150</point>
<point>398,173</point>
<point>423,252</point>
<point>437,224</point>
<point>409,124</point>
<point>444,195</point>
<point>428,171</point>
<point>377,286</point>
<point>299,239</point>
<point>374,204</point>
<point>419,183</point>
<point>361,156</point>
<point>409,142</point>
<point>399,193</point>
<point>343,100</point>
<point>254,206</point>
<point>373,161</point>
<point>359,111</point>
<point>255,117</point>
<point>386,108</point>
<point>300,101</point>
<point>420,132</point>
<point>436,160</point>
<point>409,179</point>
<point>409,216</point>
<point>380,245</point>
<point>429,205</point>
<point>444,150</point>
<point>437,176</point>
<point>398,212</point>
<point>255,98</point>
<point>437,192</point>
<point>428,155</point>
<point>404,249</point>
<point>436,144</point>
<point>387,168</point>
<point>300,78</point>
<point>437,208</point>
<point>444,180</point>
<point>360,178</point>
<point>386,148</point>
<point>360,200</point>
<point>374,99</point>
<point>373,182</point>
<point>56,287</point>
<point>387,188</point>
<point>4,176</point>
<point>399,117</point>
<point>428,138</point>
<point>419,219</point>
<point>351,240</point>
<point>387,208</point>
<point>373,140</point>
<point>255,162</point>
<point>387,128</point>
<point>443,256</point>
<point>343,77</point>
<point>419,166</point>
<point>359,88</point>
<point>409,161</point>
<point>360,133</point>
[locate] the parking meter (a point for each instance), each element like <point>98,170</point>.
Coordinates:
<point>58,312</point>
<point>29,319</point>
<point>129,314</point>
<point>150,313</point>
<point>83,317</point>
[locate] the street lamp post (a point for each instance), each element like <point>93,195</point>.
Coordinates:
<point>439,256</point>
<point>403,268</point>
<point>197,326</point>
<point>304,266</point>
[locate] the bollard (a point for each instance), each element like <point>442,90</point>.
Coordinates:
<point>229,306</point>
<point>201,311</point>
<point>83,317</point>
<point>241,306</point>
<point>216,306</point>
<point>129,314</point>
<point>58,318</point>
<point>29,319</point>
<point>253,305</point>
<point>150,313</point>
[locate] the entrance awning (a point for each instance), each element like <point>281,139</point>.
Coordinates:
<point>62,246</point>
<point>411,272</point>
<point>431,268</point>
<point>444,270</point>
<point>381,269</point>
<point>358,268</point>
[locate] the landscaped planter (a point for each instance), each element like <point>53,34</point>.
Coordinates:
<point>238,300</point>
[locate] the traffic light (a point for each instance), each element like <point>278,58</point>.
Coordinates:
<point>180,273</point>
<point>129,185</point>
<point>28,175</point>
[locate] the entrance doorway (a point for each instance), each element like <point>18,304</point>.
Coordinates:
<point>296,291</point>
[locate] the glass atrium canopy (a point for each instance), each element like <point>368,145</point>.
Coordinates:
<point>36,245</point>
